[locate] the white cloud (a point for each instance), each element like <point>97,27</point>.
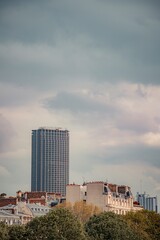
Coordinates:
<point>152,139</point>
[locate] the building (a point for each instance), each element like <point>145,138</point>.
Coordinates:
<point>106,196</point>
<point>16,214</point>
<point>76,193</point>
<point>26,205</point>
<point>9,218</point>
<point>50,160</point>
<point>8,200</point>
<point>149,203</point>
<point>38,210</point>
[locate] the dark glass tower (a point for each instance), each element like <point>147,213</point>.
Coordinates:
<point>50,160</point>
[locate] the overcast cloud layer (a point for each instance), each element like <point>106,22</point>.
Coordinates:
<point>92,67</point>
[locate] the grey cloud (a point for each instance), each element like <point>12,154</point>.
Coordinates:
<point>129,154</point>
<point>6,134</point>
<point>89,17</point>
<point>121,40</point>
<point>154,175</point>
<point>93,111</point>
<point>136,122</point>
<point>62,47</point>
<point>77,103</point>
<point>11,177</point>
<point>11,96</point>
<point>119,155</point>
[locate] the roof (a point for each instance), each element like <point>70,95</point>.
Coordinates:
<point>9,206</point>
<point>7,214</point>
<point>52,128</point>
<point>38,210</point>
<point>35,194</point>
<point>73,184</point>
<point>24,209</point>
<point>6,201</point>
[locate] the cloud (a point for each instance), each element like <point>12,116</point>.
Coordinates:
<point>6,134</point>
<point>53,43</point>
<point>92,67</point>
<point>4,172</point>
<point>12,96</point>
<point>122,107</point>
<point>77,102</point>
<point>15,173</point>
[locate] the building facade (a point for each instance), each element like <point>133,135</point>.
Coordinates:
<point>50,160</point>
<point>16,214</point>
<point>106,196</point>
<point>148,202</point>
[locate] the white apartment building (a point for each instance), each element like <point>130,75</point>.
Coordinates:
<point>75,193</point>
<point>106,196</point>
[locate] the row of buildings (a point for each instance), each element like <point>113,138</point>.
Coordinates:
<point>50,170</point>
<point>106,196</point>
<point>27,205</point>
<point>110,197</point>
<point>50,184</point>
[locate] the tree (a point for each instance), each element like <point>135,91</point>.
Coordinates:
<point>3,231</point>
<point>146,223</point>
<point>66,205</point>
<point>16,232</point>
<point>81,210</point>
<point>84,211</point>
<point>110,226</point>
<point>153,229</point>
<point>59,224</point>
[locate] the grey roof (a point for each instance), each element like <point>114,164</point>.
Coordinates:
<point>7,214</point>
<point>9,206</point>
<point>40,209</point>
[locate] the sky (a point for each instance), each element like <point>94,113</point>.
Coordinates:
<point>93,67</point>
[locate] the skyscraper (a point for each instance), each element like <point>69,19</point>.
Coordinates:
<point>149,203</point>
<point>50,160</point>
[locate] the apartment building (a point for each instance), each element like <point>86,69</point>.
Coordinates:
<point>106,196</point>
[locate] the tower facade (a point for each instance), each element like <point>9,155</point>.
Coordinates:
<point>50,160</point>
<point>149,203</point>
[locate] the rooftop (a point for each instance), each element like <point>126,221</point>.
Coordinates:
<point>52,128</point>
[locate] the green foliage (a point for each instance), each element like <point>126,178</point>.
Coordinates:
<point>145,223</point>
<point>109,226</point>
<point>16,232</point>
<point>59,224</point>
<point>154,225</point>
<point>65,224</point>
<point>3,231</point>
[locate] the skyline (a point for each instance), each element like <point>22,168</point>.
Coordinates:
<point>92,67</point>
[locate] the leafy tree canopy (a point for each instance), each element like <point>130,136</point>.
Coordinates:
<point>16,232</point>
<point>3,231</point>
<point>81,210</point>
<point>109,226</point>
<point>146,223</point>
<point>59,224</point>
